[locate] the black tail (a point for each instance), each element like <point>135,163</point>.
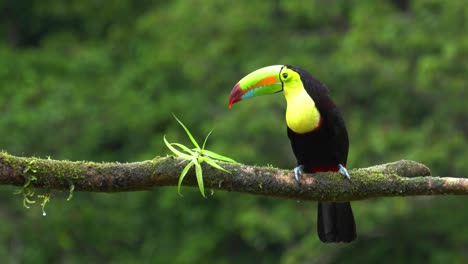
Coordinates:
<point>335,222</point>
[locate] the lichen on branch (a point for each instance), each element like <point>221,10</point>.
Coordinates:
<point>401,178</point>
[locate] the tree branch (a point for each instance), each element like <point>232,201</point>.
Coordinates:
<point>401,178</point>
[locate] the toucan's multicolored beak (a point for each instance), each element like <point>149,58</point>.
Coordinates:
<point>262,81</point>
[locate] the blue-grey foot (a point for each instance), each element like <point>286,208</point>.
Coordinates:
<point>298,172</point>
<point>343,171</point>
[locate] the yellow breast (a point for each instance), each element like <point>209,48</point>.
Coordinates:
<point>301,114</point>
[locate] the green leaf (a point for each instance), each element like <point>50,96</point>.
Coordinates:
<point>213,164</point>
<point>182,176</point>
<point>176,152</point>
<point>188,132</point>
<point>207,136</point>
<point>217,156</point>
<point>196,156</point>
<point>183,147</point>
<point>70,194</point>
<point>199,174</point>
<point>201,159</point>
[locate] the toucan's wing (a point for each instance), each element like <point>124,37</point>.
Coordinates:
<point>336,128</point>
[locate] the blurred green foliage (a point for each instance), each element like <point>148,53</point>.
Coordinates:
<point>98,80</point>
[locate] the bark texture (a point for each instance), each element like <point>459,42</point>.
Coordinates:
<point>401,178</point>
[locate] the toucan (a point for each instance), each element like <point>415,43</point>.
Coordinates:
<point>317,133</point>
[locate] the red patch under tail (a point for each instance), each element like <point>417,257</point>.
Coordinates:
<point>325,168</point>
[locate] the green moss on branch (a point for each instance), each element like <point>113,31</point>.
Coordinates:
<point>400,178</point>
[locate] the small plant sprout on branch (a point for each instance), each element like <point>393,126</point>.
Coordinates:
<point>196,156</point>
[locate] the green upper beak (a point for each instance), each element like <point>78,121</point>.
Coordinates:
<point>262,81</point>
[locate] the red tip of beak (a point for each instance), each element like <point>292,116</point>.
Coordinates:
<point>236,95</point>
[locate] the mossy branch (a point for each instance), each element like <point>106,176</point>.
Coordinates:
<point>401,178</point>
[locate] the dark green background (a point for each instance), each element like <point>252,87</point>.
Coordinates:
<point>98,80</point>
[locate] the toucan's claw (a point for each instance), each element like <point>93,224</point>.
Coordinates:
<point>298,172</point>
<point>343,171</point>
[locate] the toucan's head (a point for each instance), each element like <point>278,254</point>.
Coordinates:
<point>267,80</point>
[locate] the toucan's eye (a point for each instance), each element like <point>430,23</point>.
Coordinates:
<point>285,75</point>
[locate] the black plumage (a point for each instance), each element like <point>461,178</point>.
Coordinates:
<point>323,149</point>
